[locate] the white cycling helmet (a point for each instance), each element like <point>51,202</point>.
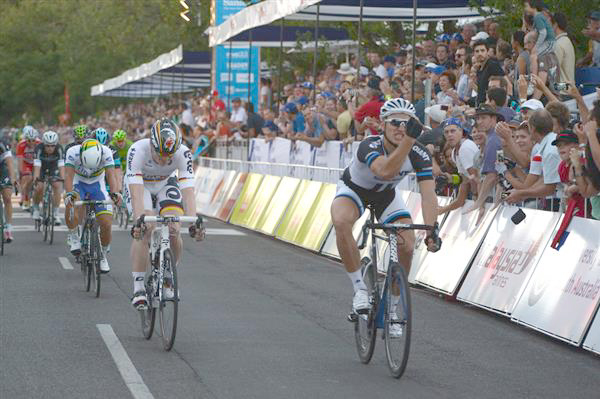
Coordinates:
<point>29,133</point>
<point>50,138</point>
<point>396,105</point>
<point>90,153</point>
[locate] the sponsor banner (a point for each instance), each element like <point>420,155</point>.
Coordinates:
<point>219,196</point>
<point>234,83</point>
<point>261,200</point>
<point>461,235</point>
<point>199,175</point>
<point>205,189</point>
<point>301,153</point>
<point>563,293</point>
<point>279,150</point>
<point>318,221</point>
<point>231,196</point>
<point>349,153</point>
<point>329,155</point>
<point>240,211</point>
<point>507,258</point>
<point>298,210</point>
<point>276,207</point>
<point>592,339</point>
<point>259,151</point>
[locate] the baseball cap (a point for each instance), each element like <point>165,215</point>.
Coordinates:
<point>307,85</point>
<point>533,104</point>
<point>271,126</point>
<point>437,69</point>
<point>566,136</point>
<point>290,107</point>
<point>389,58</point>
<point>302,100</point>
<point>436,113</point>
<point>595,15</point>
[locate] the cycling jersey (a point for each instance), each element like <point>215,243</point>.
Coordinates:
<point>46,161</point>
<point>363,187</point>
<point>121,151</point>
<point>5,157</point>
<point>4,153</point>
<point>27,154</point>
<point>86,175</point>
<point>116,157</point>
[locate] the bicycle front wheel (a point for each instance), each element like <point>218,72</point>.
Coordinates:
<point>1,227</point>
<point>51,220</point>
<point>96,251</point>
<point>397,320</point>
<point>148,315</point>
<point>365,329</point>
<point>169,301</point>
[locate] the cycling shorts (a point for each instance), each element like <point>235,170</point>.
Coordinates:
<point>54,172</point>
<point>94,191</point>
<point>26,170</point>
<point>387,204</point>
<point>4,177</point>
<point>164,196</point>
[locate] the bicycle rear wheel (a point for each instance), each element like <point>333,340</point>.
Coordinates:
<point>169,301</point>
<point>365,329</point>
<point>148,315</point>
<point>397,320</point>
<point>1,226</point>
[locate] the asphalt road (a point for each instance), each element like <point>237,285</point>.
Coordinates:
<point>258,319</point>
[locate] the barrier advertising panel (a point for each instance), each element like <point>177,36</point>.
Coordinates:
<point>231,197</point>
<point>275,208</point>
<point>507,258</point>
<point>206,187</point>
<point>240,212</point>
<point>562,295</point>
<point>330,245</point>
<point>301,153</point>
<point>261,199</point>
<point>592,340</point>
<point>298,210</point>
<point>219,196</point>
<point>318,221</point>
<point>329,154</point>
<point>259,151</point>
<point>461,235</point>
<point>279,150</point>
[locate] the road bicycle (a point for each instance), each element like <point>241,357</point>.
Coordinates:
<point>123,216</point>
<point>91,250</point>
<point>1,224</point>
<point>389,296</point>
<point>47,213</point>
<point>161,281</point>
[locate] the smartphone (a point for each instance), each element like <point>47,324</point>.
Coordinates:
<point>561,86</point>
<point>500,155</point>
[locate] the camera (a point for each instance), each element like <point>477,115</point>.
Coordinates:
<point>560,86</point>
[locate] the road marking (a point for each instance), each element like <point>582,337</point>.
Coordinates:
<point>63,228</point>
<point>128,372</point>
<point>65,263</point>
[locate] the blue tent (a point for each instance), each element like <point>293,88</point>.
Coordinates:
<point>271,35</point>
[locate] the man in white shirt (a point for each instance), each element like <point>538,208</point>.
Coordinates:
<point>378,67</point>
<point>238,113</point>
<point>563,48</point>
<point>543,172</point>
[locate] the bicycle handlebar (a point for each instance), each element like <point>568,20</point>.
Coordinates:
<point>93,202</point>
<point>167,219</point>
<point>435,229</point>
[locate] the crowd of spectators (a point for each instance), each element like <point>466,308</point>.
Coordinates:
<point>493,107</point>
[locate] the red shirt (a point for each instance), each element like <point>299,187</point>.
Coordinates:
<point>218,105</point>
<point>27,152</point>
<point>563,172</point>
<point>371,109</point>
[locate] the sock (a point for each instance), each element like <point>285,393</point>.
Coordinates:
<point>395,302</point>
<point>105,249</point>
<point>8,226</point>
<point>357,280</point>
<point>138,281</point>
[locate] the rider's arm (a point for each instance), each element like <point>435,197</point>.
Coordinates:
<point>112,180</point>
<point>69,175</point>
<point>11,167</point>
<point>189,201</point>
<point>186,182</point>
<point>134,164</point>
<point>389,167</point>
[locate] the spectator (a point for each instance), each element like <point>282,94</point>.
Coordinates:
<point>389,63</point>
<point>530,106</point>
<point>543,172</point>
<point>265,93</point>
<point>494,33</point>
<point>367,116</point>
<point>485,67</point>
<point>463,63</point>
<point>563,48</point>
<point>254,122</point>
<point>419,100</point>
<point>560,116</point>
<point>565,142</point>
<point>496,96</point>
<point>522,65</point>
<point>344,121</point>
<point>467,32</point>
<point>504,56</point>
<point>313,133</point>
<point>377,66</point>
<point>238,113</point>
<point>217,103</point>
<point>442,56</point>
<point>592,31</point>
<point>429,50</point>
<point>401,56</point>
<point>455,41</point>
<point>295,120</point>
<point>433,138</point>
<point>447,95</point>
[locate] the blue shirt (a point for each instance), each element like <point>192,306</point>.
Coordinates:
<point>492,145</point>
<point>299,123</point>
<point>316,130</point>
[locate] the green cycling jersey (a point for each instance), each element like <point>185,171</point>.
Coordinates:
<point>121,151</point>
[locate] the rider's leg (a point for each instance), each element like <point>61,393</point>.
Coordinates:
<point>344,213</point>
<point>105,222</point>
<point>8,211</point>
<point>37,196</point>
<point>26,181</point>
<point>57,192</point>
<point>140,257</point>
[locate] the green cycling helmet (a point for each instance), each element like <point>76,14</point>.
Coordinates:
<point>81,132</point>
<point>119,135</point>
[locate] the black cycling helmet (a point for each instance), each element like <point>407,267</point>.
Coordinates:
<point>165,137</point>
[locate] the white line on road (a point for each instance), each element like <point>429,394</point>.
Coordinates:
<point>65,263</point>
<point>132,378</point>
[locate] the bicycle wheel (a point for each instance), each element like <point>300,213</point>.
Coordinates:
<point>96,252</point>
<point>45,215</point>
<point>51,221</point>
<point>86,259</point>
<point>397,320</point>
<point>148,316</point>
<point>126,216</point>
<point>1,227</point>
<point>365,329</point>
<point>169,301</point>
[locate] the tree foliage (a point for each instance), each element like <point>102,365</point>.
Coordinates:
<point>46,45</point>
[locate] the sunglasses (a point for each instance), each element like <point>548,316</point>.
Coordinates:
<point>397,122</point>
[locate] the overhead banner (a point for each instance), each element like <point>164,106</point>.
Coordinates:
<point>507,258</point>
<point>563,293</point>
<point>275,208</point>
<point>461,235</point>
<point>298,210</point>
<point>318,221</point>
<point>234,67</point>
<point>242,206</point>
<point>592,340</point>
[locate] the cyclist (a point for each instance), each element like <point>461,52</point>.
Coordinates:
<point>104,138</point>
<point>48,161</point>
<point>80,133</point>
<point>380,163</point>
<point>25,155</point>
<point>159,179</point>
<point>86,166</point>
<point>121,144</point>
<point>7,180</point>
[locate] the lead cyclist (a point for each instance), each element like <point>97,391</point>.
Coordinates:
<point>381,162</point>
<point>159,179</point>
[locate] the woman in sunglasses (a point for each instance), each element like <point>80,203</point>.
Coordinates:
<point>380,163</point>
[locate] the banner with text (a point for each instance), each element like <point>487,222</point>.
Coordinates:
<point>507,258</point>
<point>563,293</point>
<point>592,340</point>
